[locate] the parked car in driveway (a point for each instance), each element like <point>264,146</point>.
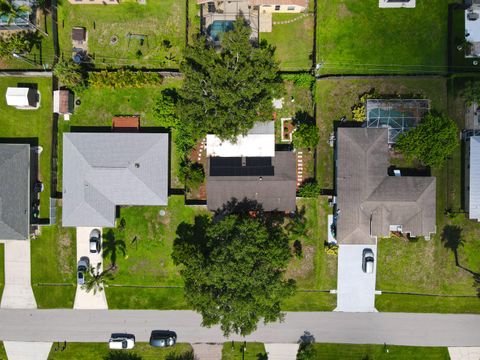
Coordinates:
<point>163,338</point>
<point>95,241</point>
<point>121,341</point>
<point>367,261</point>
<point>82,268</point>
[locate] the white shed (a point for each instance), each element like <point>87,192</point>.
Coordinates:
<point>22,98</point>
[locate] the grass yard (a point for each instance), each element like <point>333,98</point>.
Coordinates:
<point>3,354</point>
<point>293,41</point>
<point>335,98</point>
<point>359,37</point>
<point>97,351</point>
<point>2,269</point>
<point>359,352</point>
<point>30,126</point>
<point>54,262</point>
<point>160,23</point>
<point>253,351</point>
<point>41,56</point>
<point>149,243</point>
<point>315,270</point>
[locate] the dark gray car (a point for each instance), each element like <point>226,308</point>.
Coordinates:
<point>163,338</point>
<point>82,268</point>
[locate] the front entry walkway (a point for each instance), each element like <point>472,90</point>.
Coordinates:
<point>83,299</point>
<point>355,289</point>
<point>18,350</point>
<point>282,351</point>
<point>18,293</point>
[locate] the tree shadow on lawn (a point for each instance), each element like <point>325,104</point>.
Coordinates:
<point>453,240</point>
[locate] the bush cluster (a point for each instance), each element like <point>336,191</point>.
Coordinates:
<point>124,78</point>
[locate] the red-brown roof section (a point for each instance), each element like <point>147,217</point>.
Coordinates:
<point>126,123</point>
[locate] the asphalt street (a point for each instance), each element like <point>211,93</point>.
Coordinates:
<point>337,327</point>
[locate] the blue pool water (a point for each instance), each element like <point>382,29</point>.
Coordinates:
<point>218,28</point>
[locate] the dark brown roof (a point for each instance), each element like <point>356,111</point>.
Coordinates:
<point>368,200</point>
<point>275,192</point>
<point>79,34</point>
<point>126,123</point>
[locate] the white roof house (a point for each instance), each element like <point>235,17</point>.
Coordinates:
<point>473,178</point>
<point>259,142</point>
<point>22,98</point>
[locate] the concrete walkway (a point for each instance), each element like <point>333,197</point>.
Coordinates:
<point>464,353</point>
<point>282,351</point>
<point>17,350</point>
<point>84,300</point>
<point>18,293</point>
<point>207,351</point>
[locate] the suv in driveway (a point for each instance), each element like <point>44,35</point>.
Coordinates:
<point>82,268</point>
<point>95,241</point>
<point>367,261</point>
<point>163,338</point>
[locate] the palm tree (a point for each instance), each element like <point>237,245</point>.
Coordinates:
<point>111,247</point>
<point>95,279</point>
<point>12,11</point>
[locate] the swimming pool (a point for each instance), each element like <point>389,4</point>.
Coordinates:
<point>218,28</point>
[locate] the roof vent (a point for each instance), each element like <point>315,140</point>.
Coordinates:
<point>137,165</point>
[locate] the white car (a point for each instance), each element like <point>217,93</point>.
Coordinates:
<point>121,342</point>
<point>367,261</point>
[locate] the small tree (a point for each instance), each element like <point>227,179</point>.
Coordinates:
<point>310,190</point>
<point>164,108</point>
<point>431,142</point>
<point>233,270</point>
<point>18,43</point>
<point>95,280</point>
<point>192,174</point>
<point>69,74</point>
<point>306,136</point>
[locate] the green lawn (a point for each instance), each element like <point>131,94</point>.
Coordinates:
<point>315,270</point>
<point>361,352</point>
<point>253,351</point>
<point>359,37</point>
<point>162,22</point>
<point>54,262</point>
<point>335,98</point>
<point>98,351</point>
<point>30,126</point>
<point>2,269</point>
<point>3,354</point>
<point>149,243</point>
<point>293,41</point>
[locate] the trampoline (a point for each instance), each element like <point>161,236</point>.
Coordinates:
<point>398,115</point>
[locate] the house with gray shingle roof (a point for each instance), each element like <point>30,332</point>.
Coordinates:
<point>14,191</point>
<point>104,170</point>
<point>372,204</point>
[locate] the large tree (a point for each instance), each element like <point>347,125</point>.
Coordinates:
<point>431,142</point>
<point>233,271</point>
<point>226,91</point>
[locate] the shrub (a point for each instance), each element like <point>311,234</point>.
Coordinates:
<point>359,112</point>
<point>306,136</point>
<point>303,80</point>
<point>298,249</point>
<point>124,78</point>
<point>331,249</point>
<point>164,108</point>
<point>19,43</point>
<point>69,74</point>
<point>309,190</point>
<point>192,174</point>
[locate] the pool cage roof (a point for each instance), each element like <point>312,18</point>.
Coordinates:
<point>399,115</point>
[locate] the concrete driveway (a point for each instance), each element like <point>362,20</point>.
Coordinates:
<point>18,293</point>
<point>355,289</point>
<point>84,300</point>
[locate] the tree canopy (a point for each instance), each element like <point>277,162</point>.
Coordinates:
<point>431,142</point>
<point>306,136</point>
<point>226,91</point>
<point>233,270</point>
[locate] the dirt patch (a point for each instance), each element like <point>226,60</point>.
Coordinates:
<point>64,250</point>
<point>304,267</point>
<point>343,11</point>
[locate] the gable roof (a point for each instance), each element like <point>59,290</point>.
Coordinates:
<point>259,141</point>
<point>103,170</point>
<point>368,200</point>
<point>14,191</point>
<point>274,186</point>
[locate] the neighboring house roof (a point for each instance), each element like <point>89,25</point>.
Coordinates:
<point>474,180</point>
<point>259,141</point>
<point>368,200</point>
<point>269,181</point>
<point>103,170</point>
<point>302,3</point>
<point>14,191</point>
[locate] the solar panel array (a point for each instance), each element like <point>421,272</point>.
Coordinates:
<point>237,166</point>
